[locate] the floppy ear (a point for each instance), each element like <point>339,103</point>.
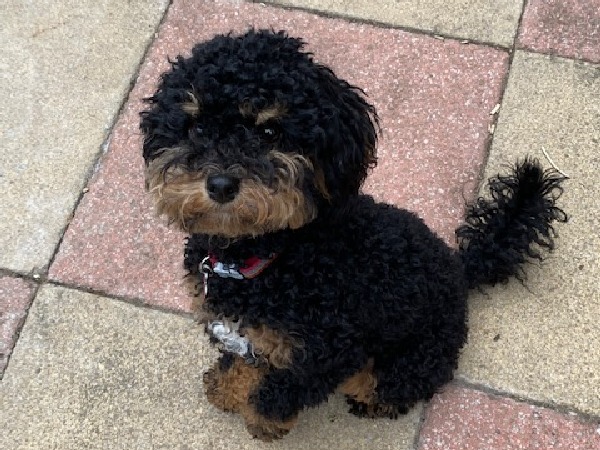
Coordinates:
<point>350,125</point>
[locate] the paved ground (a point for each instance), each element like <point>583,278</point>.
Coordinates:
<point>97,349</point>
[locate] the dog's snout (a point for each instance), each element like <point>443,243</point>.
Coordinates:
<point>222,188</point>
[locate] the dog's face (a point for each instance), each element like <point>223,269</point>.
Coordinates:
<point>250,136</point>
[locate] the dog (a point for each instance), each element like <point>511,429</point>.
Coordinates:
<point>305,284</point>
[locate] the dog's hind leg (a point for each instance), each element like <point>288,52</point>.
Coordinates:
<point>401,379</point>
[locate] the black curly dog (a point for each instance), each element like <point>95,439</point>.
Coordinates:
<point>305,284</point>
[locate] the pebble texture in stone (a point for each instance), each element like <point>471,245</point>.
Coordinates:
<point>15,297</point>
<point>568,28</point>
<point>464,419</point>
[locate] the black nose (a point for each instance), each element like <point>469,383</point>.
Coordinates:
<point>222,188</point>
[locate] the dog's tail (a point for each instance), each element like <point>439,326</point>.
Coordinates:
<point>514,226</point>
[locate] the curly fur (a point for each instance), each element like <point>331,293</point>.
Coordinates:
<point>376,299</point>
<point>497,237</point>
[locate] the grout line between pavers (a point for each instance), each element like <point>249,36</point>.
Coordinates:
<point>496,118</point>
<point>563,409</point>
<point>383,25</point>
<point>551,54</point>
<point>103,149</point>
<point>429,33</point>
<point>420,424</point>
<point>17,332</point>
<point>21,275</point>
<point>133,301</point>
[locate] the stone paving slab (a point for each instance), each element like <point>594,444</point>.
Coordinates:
<point>464,419</point>
<point>492,21</point>
<point>563,27</point>
<point>15,298</point>
<point>91,372</point>
<point>542,341</point>
<point>64,69</point>
<point>434,99</point>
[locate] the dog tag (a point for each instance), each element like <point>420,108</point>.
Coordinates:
<point>227,271</point>
<point>206,271</point>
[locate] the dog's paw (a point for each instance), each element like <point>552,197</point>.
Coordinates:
<point>266,433</point>
<point>375,410</point>
<point>266,429</point>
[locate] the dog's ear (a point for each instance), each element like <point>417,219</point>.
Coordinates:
<point>350,127</point>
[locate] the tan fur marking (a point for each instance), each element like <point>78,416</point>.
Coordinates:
<point>361,386</point>
<point>230,391</point>
<point>320,183</point>
<point>257,209</point>
<point>192,106</point>
<point>245,109</point>
<point>272,112</point>
<point>277,347</point>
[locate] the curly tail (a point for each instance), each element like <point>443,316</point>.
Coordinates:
<point>501,234</point>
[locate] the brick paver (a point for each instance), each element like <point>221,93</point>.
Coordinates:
<point>464,419</point>
<point>568,28</point>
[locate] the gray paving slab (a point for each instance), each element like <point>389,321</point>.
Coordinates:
<point>90,372</point>
<point>543,341</point>
<point>64,69</point>
<point>15,297</point>
<point>492,21</point>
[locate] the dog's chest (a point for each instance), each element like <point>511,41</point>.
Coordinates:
<point>227,334</point>
<point>225,287</point>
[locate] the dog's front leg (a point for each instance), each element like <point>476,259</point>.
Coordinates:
<point>282,393</point>
<point>229,385</point>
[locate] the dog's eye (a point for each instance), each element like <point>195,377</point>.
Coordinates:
<point>269,132</point>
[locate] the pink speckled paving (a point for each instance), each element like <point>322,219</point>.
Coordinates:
<point>569,28</point>
<point>15,297</point>
<point>433,96</point>
<point>464,419</point>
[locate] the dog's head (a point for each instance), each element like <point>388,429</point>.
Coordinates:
<point>249,135</point>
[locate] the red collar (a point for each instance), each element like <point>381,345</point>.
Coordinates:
<point>251,268</point>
